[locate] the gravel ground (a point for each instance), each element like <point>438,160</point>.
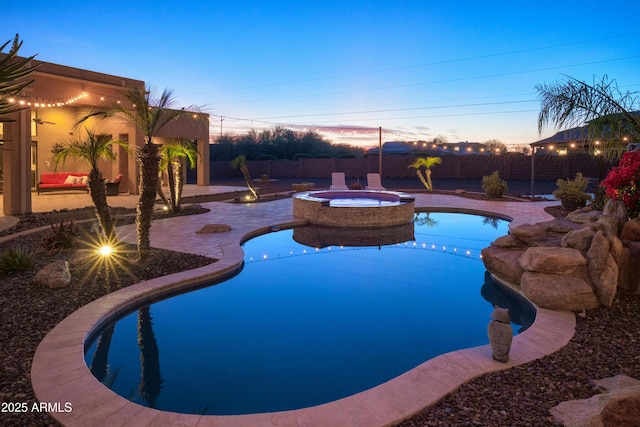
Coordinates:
<point>607,341</point>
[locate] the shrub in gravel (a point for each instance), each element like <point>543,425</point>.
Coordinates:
<point>14,260</point>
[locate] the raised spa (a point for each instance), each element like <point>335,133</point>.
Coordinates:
<point>354,208</point>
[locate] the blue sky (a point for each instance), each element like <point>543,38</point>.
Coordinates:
<point>464,70</point>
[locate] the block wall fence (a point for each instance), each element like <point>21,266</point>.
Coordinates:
<point>510,167</point>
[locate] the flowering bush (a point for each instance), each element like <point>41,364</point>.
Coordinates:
<point>623,180</point>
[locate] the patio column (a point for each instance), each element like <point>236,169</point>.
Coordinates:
<point>204,173</point>
<point>16,163</point>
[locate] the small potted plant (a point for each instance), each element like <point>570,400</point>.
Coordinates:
<point>572,192</point>
<point>494,186</point>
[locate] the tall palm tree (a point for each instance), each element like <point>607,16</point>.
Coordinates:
<point>14,74</point>
<point>150,377</point>
<point>240,162</point>
<point>608,112</point>
<point>427,163</point>
<point>90,150</point>
<point>149,113</point>
<point>173,155</point>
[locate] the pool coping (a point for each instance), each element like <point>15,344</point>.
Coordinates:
<point>59,372</point>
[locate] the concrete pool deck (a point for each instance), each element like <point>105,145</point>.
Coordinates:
<point>59,372</point>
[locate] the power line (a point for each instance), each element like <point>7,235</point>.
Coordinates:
<point>406,67</point>
<point>455,80</point>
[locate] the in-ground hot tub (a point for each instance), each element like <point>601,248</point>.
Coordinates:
<point>354,208</point>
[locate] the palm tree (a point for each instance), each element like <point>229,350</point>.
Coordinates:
<point>172,156</point>
<point>14,73</point>
<point>601,106</point>
<point>240,162</point>
<point>427,163</point>
<point>90,150</point>
<point>148,113</point>
<point>150,377</point>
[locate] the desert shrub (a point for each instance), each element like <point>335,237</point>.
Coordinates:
<point>61,236</point>
<point>571,192</point>
<point>493,185</point>
<point>16,259</point>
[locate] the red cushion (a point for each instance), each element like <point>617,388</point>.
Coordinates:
<point>55,179</point>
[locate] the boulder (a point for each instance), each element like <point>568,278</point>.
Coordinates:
<point>579,239</point>
<point>504,263</point>
<point>617,209</point>
<point>552,260</point>
<point>560,225</point>
<point>631,230</point>
<point>214,228</point>
<point>618,407</point>
<point>54,275</point>
<point>603,269</point>
<point>615,247</point>
<point>584,215</point>
<point>624,276</point>
<point>558,291</point>
<point>508,241</point>
<point>633,277</point>
<point>609,224</point>
<point>538,234</point>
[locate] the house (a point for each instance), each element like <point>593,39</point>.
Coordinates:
<point>579,139</point>
<point>58,96</point>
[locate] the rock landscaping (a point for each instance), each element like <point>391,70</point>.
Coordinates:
<point>574,263</point>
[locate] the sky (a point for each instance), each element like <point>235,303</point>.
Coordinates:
<point>463,70</point>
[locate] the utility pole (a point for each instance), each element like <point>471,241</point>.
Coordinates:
<point>380,151</point>
<point>221,120</point>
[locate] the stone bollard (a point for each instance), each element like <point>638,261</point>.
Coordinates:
<point>500,334</point>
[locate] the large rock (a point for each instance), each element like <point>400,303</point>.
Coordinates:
<point>609,224</point>
<point>619,407</point>
<point>214,228</point>
<point>579,239</point>
<point>537,234</point>
<point>558,291</point>
<point>632,274</point>
<point>617,209</point>
<point>508,241</point>
<point>552,260</point>
<point>584,215</point>
<point>54,275</point>
<point>631,230</point>
<point>504,263</point>
<point>560,225</point>
<point>603,269</point>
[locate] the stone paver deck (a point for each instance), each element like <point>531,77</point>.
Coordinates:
<point>59,373</point>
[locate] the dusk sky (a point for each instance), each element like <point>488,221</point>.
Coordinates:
<point>464,70</point>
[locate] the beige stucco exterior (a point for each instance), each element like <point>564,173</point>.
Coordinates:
<point>53,103</point>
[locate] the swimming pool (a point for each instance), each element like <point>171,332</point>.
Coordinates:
<point>301,325</point>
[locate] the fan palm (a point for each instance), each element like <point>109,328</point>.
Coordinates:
<point>606,110</point>
<point>148,113</point>
<point>173,155</point>
<point>14,73</point>
<point>90,150</point>
<point>427,163</point>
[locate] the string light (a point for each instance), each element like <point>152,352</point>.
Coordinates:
<point>38,102</point>
<point>410,245</point>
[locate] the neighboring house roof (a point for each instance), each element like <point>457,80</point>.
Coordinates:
<point>402,147</point>
<point>578,135</point>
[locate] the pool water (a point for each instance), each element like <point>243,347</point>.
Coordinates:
<point>302,326</point>
<point>362,202</point>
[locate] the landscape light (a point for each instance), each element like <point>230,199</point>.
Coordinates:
<point>105,250</point>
